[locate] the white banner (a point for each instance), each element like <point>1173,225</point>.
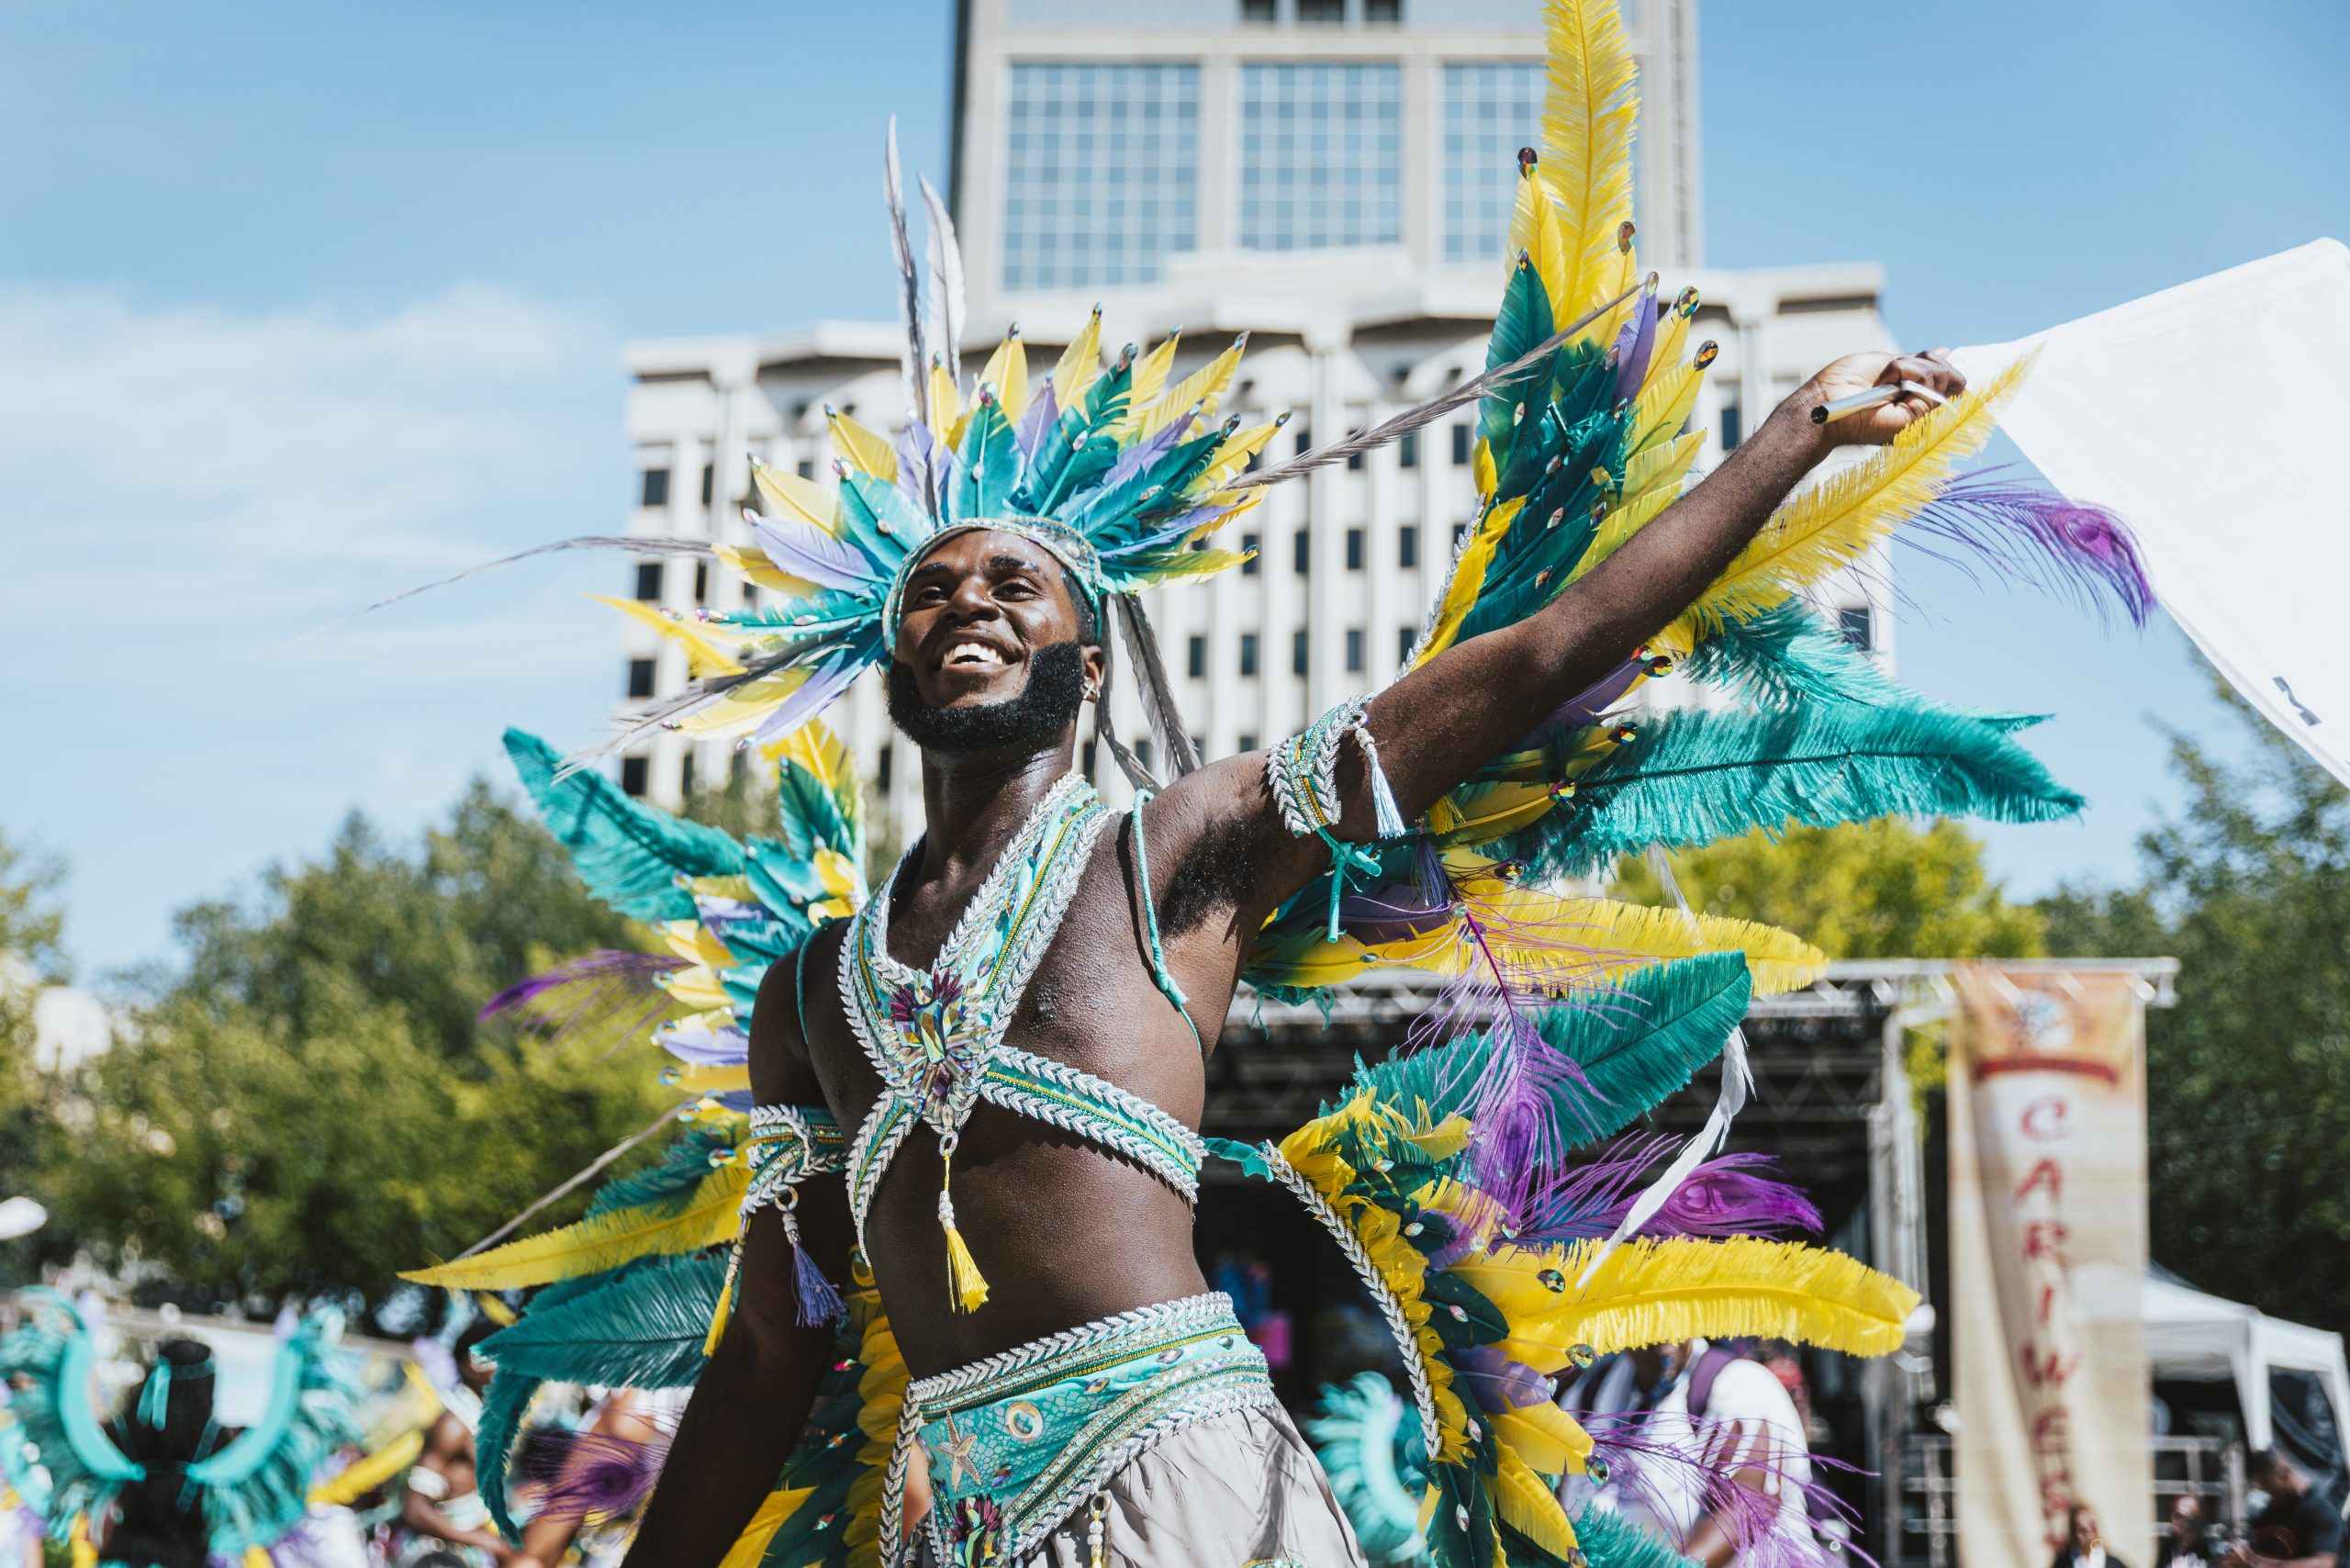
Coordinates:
<point>2212,419</point>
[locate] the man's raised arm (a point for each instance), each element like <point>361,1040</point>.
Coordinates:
<point>1437,724</point>
<point>753,1398</point>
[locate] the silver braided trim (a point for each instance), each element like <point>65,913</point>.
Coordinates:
<point>893,1485</point>
<point>1222,1400</point>
<point>1178,1316</point>
<point>784,1152</point>
<point>1304,770</point>
<point>1180,1173</point>
<point>1390,1306</point>
<point>881,1135</point>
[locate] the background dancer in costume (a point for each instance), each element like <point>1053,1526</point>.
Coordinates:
<point>159,1520</point>
<point>996,648</point>
<point>443,1506</point>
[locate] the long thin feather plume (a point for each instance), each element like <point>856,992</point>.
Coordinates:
<point>641,544</point>
<point>1167,726</point>
<point>916,364</point>
<point>709,1215</point>
<point>946,279</point>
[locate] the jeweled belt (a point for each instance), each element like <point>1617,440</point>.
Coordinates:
<point>1017,1441</point>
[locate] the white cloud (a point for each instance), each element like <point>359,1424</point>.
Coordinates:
<point>182,490</point>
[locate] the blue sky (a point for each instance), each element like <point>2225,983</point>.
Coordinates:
<point>298,302</point>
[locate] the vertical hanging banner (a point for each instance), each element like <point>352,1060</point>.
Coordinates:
<point>2047,1104</point>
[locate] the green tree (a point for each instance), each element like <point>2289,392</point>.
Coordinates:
<point>312,1106</point>
<point>1888,889</point>
<point>2248,1078</point>
<point>32,930</point>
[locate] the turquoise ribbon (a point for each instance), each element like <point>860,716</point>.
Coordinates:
<point>155,1399</point>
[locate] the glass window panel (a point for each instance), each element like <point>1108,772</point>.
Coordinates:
<point>1490,111</point>
<point>1325,163</point>
<point>1126,133</point>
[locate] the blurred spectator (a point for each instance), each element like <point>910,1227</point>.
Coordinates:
<point>2186,1543</point>
<point>2084,1542</point>
<point>2298,1528</point>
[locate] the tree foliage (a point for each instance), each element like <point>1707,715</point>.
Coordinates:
<point>1888,889</point>
<point>2248,1078</point>
<point>309,1105</point>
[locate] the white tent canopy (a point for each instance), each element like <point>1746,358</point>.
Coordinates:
<point>2196,1337</point>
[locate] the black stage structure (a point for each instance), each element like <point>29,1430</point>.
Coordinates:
<point>1831,1099</point>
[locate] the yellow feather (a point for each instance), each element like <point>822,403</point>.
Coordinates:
<point>1007,371</point>
<point>1203,387</point>
<point>704,654</point>
<point>946,405</point>
<point>1482,470</point>
<point>710,1215</point>
<point>692,941</point>
<point>1235,453</point>
<point>1079,363</point>
<point>1545,1436</point>
<point>1628,519</point>
<point>1654,1292</point>
<point>1530,1507</point>
<point>795,497</point>
<point>1534,230</point>
<point>1663,465</point>
<point>1143,388</point>
<point>741,708</point>
<point>1468,575</point>
<point>698,988</point>
<point>1834,522</point>
<point>773,1509</point>
<point>1664,405</point>
<point>1587,120</point>
<point>365,1476</point>
<point>707,1080</point>
<point>1664,359</point>
<point>866,450</point>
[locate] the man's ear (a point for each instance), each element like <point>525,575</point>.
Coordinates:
<point>1097,670</point>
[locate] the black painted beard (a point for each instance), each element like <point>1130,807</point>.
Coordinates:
<point>1035,719</point>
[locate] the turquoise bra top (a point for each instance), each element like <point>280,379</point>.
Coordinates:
<point>936,1037</point>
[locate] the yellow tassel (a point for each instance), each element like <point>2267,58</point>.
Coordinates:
<point>725,1307</point>
<point>969,1286</point>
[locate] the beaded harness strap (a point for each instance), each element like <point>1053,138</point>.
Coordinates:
<point>1302,772</point>
<point>788,1145</point>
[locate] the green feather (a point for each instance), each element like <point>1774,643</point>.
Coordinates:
<point>628,854</point>
<point>643,1327</point>
<point>683,1167</point>
<point>503,1406</point>
<point>1695,777</point>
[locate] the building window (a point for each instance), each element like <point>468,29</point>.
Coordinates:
<point>686,774</point>
<point>1461,446</point>
<point>1198,659</point>
<point>1382,13</point>
<point>1490,111</point>
<point>1405,637</point>
<point>1297,652</point>
<point>1250,544</point>
<point>648,582</point>
<point>1321,155</point>
<point>750,596</point>
<point>1301,549</point>
<point>640,677</point>
<point>708,482</point>
<point>1247,653</point>
<point>1354,549</point>
<point>656,490</point>
<point>1305,439</point>
<point>1858,623</point>
<point>1102,179</point>
<point>1731,433</point>
<point>1262,13</point>
<point>636,773</point>
<point>884,764</point>
<point>1407,546</point>
<point>1407,450</point>
<point>1085,762</point>
<point>701,582</point>
<point>1354,650</point>
<point>805,468</point>
<point>1322,12</point>
<point>1460,533</point>
<point>1248,740</point>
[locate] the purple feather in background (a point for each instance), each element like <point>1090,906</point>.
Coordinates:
<point>588,1475</point>
<point>803,550</point>
<point>607,991</point>
<point>1654,1460</point>
<point>1635,343</point>
<point>826,681</point>
<point>2033,535</point>
<point>1725,1196</point>
<point>919,454</point>
<point>1044,409</point>
<point>1499,1383</point>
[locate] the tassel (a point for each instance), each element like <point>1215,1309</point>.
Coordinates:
<point>969,1286</point>
<point>819,1301</point>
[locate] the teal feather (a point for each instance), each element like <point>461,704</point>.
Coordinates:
<point>644,1327</point>
<point>682,1169</point>
<point>1368,1442</point>
<point>46,1361</point>
<point>1611,1541</point>
<point>1519,327</point>
<point>987,468</point>
<point>1695,777</point>
<point>628,854</point>
<point>1785,656</point>
<point>257,1488</point>
<point>1635,1045</point>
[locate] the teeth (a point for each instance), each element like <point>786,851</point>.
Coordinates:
<point>973,654</point>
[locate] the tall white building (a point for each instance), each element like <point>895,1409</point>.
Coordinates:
<point>1334,177</point>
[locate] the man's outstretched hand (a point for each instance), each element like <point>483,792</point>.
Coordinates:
<point>1859,371</point>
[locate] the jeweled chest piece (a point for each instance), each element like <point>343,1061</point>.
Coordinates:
<point>938,1052</point>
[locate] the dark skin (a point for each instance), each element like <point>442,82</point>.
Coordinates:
<point>1065,1231</point>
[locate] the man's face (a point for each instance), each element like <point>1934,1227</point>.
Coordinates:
<point>2085,1534</point>
<point>979,615</point>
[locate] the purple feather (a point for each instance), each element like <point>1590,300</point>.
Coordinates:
<point>1584,707</point>
<point>700,1046</point>
<point>1635,343</point>
<point>1726,1197</point>
<point>1499,1383</point>
<point>593,992</point>
<point>803,550</point>
<point>2032,535</point>
<point>918,453</point>
<point>1654,1460</point>
<point>1044,409</point>
<point>586,1475</point>
<point>827,681</point>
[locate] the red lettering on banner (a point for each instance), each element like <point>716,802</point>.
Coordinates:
<point>2047,1174</point>
<point>2046,1119</point>
<point>2052,1367</point>
<point>2043,1240</point>
<point>2047,1304</point>
<point>2051,1430</point>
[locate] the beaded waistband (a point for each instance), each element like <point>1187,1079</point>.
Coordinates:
<point>1017,1441</point>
